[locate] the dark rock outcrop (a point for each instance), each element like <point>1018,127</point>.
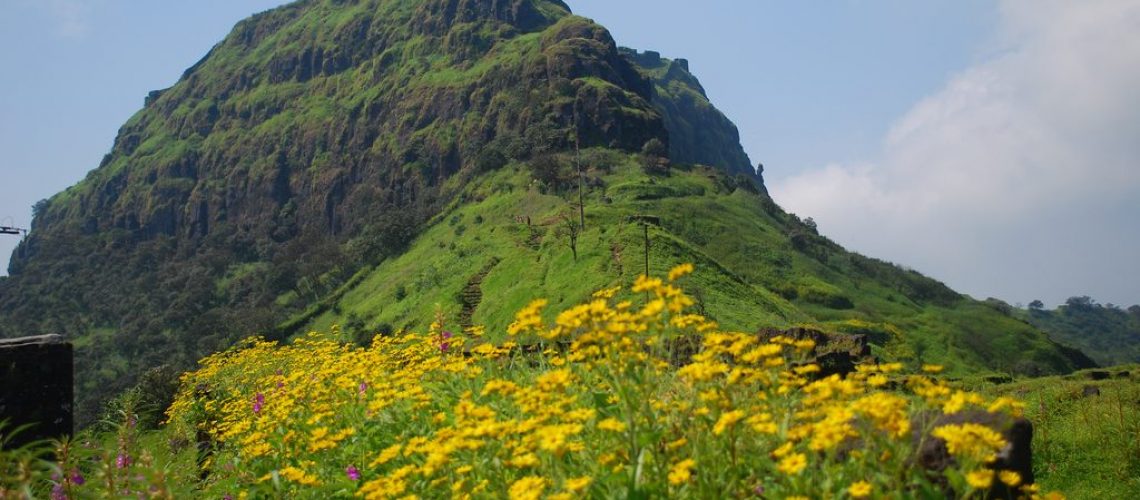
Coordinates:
<point>1098,374</point>
<point>835,353</point>
<point>36,388</point>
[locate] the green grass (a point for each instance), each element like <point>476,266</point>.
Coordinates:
<point>749,275</point>
<point>1085,446</point>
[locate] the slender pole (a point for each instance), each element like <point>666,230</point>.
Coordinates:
<point>645,226</point>
<point>581,201</point>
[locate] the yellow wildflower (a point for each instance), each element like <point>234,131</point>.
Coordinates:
<point>557,380</point>
<point>387,455</point>
<point>681,472</point>
<point>783,450</point>
<point>1010,478</point>
<point>527,488</point>
<point>792,464</point>
<point>861,489</point>
<point>959,400</point>
<point>981,479</point>
<point>612,424</point>
<point>806,369</point>
<point>298,476</point>
<point>970,440</point>
<point>528,319</point>
<point>679,271</point>
<point>577,484</point>
<point>525,461</point>
<point>727,420</point>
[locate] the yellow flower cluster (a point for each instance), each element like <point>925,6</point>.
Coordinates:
<point>608,412</point>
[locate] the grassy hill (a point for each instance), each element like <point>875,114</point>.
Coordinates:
<point>1108,334</point>
<point>757,266</point>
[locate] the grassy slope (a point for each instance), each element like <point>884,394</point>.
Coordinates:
<point>1085,446</point>
<point>748,276</point>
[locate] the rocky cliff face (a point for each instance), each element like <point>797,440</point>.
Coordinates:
<point>698,132</point>
<point>316,138</point>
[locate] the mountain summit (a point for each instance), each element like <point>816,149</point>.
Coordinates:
<point>365,162</point>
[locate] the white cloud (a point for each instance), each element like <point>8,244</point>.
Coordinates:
<point>71,17</point>
<point>1040,143</point>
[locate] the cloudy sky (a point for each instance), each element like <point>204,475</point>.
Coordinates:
<point>992,145</point>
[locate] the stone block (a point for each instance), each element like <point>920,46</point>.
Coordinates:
<point>36,387</point>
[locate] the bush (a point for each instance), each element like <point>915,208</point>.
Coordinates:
<point>489,159</point>
<point>828,298</point>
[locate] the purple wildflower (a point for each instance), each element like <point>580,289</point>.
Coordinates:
<point>77,478</point>
<point>58,493</point>
<point>444,345</point>
<point>363,387</point>
<point>258,402</point>
<point>352,472</point>
<point>123,460</point>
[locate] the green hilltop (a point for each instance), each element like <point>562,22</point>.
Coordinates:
<point>366,162</point>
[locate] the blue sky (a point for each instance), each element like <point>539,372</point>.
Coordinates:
<point>984,143</point>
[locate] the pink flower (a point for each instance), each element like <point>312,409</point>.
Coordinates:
<point>258,402</point>
<point>352,472</point>
<point>122,461</point>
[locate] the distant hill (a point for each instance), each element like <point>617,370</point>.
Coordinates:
<point>1107,333</point>
<point>365,162</point>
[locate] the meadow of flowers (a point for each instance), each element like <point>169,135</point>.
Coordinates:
<point>629,395</point>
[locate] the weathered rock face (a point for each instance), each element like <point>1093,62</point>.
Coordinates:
<point>36,387</point>
<point>698,132</point>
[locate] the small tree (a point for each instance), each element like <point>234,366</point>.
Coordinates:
<point>569,228</point>
<point>1036,305</point>
<point>811,225</point>
<point>654,157</point>
<point>548,170</point>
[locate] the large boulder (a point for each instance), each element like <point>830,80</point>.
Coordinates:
<point>36,388</point>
